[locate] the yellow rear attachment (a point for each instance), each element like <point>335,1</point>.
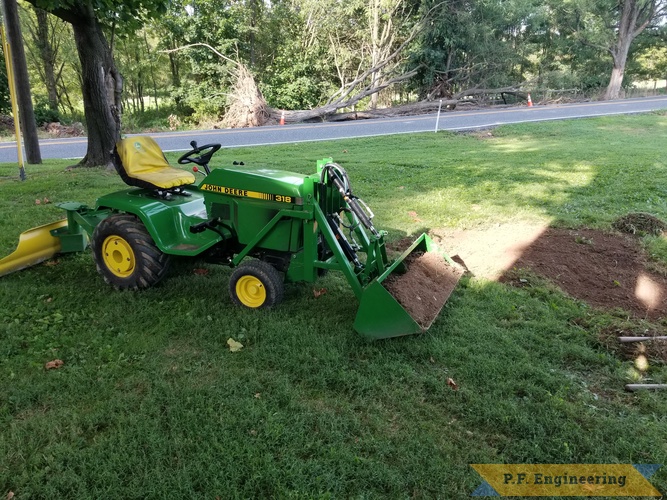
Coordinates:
<point>35,245</point>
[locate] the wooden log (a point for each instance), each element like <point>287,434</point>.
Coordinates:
<point>639,387</point>
<point>329,112</point>
<point>640,339</point>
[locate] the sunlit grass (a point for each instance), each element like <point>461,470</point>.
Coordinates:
<point>150,403</point>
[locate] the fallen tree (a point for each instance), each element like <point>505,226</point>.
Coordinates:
<point>248,108</point>
<point>469,97</point>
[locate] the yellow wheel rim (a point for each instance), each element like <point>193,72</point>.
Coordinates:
<point>250,291</point>
<point>118,256</point>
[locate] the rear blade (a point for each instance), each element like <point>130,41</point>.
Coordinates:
<point>35,245</point>
<point>410,294</point>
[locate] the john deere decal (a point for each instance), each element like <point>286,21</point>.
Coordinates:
<point>248,194</point>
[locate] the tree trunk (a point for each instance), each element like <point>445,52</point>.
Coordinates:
<point>48,57</point>
<point>102,87</point>
<point>173,65</point>
<point>635,16</point>
<point>375,48</point>
<point>25,109</point>
<point>148,50</point>
<point>615,81</point>
<point>381,41</point>
<point>620,56</point>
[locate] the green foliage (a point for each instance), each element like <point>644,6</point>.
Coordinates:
<point>200,79</point>
<point>125,16</point>
<point>649,56</point>
<point>297,78</point>
<point>5,101</point>
<point>470,44</point>
<point>199,101</point>
<point>44,114</point>
<point>151,119</point>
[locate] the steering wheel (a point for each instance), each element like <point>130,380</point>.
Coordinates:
<point>203,153</point>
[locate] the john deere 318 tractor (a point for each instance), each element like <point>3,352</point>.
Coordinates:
<point>273,227</point>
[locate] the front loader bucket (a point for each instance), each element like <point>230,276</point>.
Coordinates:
<point>409,295</point>
<point>35,245</point>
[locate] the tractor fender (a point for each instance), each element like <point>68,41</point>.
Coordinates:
<point>167,221</point>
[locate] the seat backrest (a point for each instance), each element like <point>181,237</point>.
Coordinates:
<point>140,162</point>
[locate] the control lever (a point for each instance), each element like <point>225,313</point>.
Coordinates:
<point>203,226</point>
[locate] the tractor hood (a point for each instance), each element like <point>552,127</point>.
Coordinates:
<point>236,181</point>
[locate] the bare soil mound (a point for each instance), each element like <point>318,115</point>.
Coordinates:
<point>605,270</point>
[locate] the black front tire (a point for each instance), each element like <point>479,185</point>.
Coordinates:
<point>126,255</point>
<point>257,285</point>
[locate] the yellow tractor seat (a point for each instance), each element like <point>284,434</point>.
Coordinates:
<point>140,162</point>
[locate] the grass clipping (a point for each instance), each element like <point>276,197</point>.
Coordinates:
<point>425,287</point>
<point>640,223</point>
<point>247,106</point>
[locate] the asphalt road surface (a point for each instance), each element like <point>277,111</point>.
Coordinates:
<point>74,148</point>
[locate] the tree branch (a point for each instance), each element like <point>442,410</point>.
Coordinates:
<point>206,45</point>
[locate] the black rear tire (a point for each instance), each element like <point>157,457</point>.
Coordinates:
<point>257,285</point>
<point>126,255</point>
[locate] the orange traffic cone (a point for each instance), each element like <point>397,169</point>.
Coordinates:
<point>530,101</point>
<point>282,117</point>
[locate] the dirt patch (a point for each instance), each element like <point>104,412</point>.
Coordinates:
<point>481,134</point>
<point>56,129</point>
<point>488,252</point>
<point>425,287</point>
<point>604,270</point>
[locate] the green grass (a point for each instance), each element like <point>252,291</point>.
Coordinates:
<point>151,404</point>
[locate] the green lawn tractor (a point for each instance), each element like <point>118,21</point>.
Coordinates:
<point>273,227</point>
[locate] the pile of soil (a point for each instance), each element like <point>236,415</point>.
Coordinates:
<point>425,287</point>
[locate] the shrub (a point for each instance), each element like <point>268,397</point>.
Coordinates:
<point>45,114</point>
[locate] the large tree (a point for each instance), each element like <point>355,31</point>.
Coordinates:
<point>613,27</point>
<point>102,84</point>
<point>634,16</point>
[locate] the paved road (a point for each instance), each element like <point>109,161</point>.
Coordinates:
<point>458,120</point>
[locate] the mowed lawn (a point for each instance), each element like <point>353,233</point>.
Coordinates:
<point>151,403</point>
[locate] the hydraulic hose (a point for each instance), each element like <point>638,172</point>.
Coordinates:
<point>341,181</point>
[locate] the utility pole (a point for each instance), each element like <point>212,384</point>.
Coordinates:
<point>21,82</point>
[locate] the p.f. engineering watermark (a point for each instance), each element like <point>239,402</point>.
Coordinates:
<point>537,480</point>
